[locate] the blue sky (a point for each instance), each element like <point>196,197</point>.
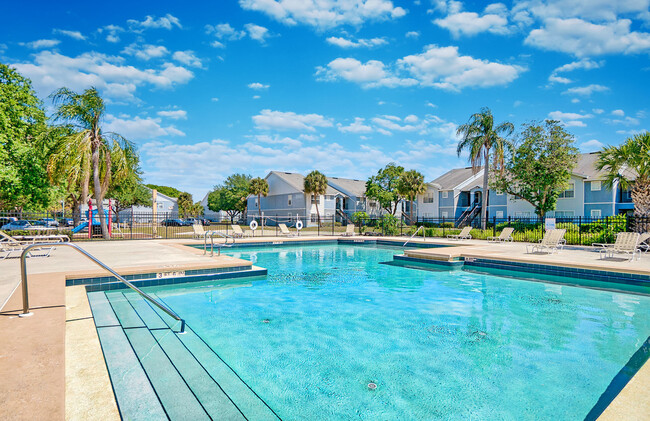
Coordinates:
<point>209,89</point>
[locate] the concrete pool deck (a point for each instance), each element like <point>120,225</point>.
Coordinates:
<point>52,365</point>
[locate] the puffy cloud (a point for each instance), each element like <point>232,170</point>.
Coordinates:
<point>619,113</point>
<point>174,114</point>
<point>50,71</point>
<point>553,78</point>
<point>188,58</point>
<point>569,119</point>
<point>279,120</point>
<point>72,34</point>
<point>595,10</point>
<point>145,52</point>
<point>369,75</point>
<point>325,14</point>
<point>583,64</point>
<point>584,39</point>
<point>139,128</point>
<point>278,140</point>
<point>586,90</point>
<point>256,32</point>
<point>112,32</point>
<point>258,86</point>
<point>412,34</point>
<point>225,32</point>
<point>459,23</point>
<point>357,127</point>
<point>348,43</point>
<point>150,22</point>
<point>41,43</point>
<point>592,145</point>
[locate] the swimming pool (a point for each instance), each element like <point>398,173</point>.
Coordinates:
<point>329,320</point>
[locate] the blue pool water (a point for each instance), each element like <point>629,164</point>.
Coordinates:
<point>328,320</point>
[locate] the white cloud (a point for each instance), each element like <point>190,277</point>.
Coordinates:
<point>111,32</point>
<point>72,34</point>
<point>569,119</point>
<point>390,124</point>
<point>627,121</point>
<point>41,43</point>
<point>619,113</point>
<point>471,23</point>
<point>586,90</point>
<point>412,34</point>
<point>596,10</point>
<point>583,64</point>
<point>368,75</point>
<point>553,78</point>
<point>348,43</point>
<point>430,104</point>
<point>215,99</point>
<point>357,127</point>
<point>150,22</point>
<point>256,97</point>
<point>584,39</point>
<point>325,14</point>
<point>598,111</point>
<point>50,71</point>
<point>258,86</point>
<point>188,58</point>
<point>174,114</point>
<point>592,145</point>
<point>145,52</point>
<point>279,120</point>
<point>217,44</point>
<point>278,140</point>
<point>256,32</point>
<point>226,32</point>
<point>139,128</point>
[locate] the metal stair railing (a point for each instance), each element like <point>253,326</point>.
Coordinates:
<point>23,276</point>
<point>211,234</point>
<point>468,214</point>
<point>424,232</point>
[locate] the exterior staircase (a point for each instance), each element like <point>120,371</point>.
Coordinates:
<point>468,216</point>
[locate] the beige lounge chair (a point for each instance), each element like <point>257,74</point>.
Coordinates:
<point>643,242</point>
<point>504,237</point>
<point>285,231</point>
<point>8,248</point>
<point>626,243</point>
<point>464,234</point>
<point>552,242</point>
<point>237,232</point>
<point>31,239</point>
<point>197,231</point>
<point>349,231</point>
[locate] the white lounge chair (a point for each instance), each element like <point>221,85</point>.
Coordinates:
<point>464,234</point>
<point>504,237</point>
<point>626,243</point>
<point>285,231</point>
<point>197,231</point>
<point>349,231</point>
<point>237,232</point>
<point>552,242</point>
<point>31,239</point>
<point>8,248</point>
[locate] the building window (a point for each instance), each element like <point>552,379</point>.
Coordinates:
<point>289,200</point>
<point>595,213</point>
<point>522,214</point>
<point>570,192</point>
<point>428,198</point>
<point>445,214</point>
<point>256,202</point>
<point>499,214</point>
<point>161,205</point>
<point>564,214</point>
<point>445,194</point>
<point>595,186</point>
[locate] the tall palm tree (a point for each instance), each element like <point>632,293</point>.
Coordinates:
<point>410,185</point>
<point>315,183</point>
<point>629,166</point>
<point>259,187</point>
<point>480,137</point>
<point>88,147</point>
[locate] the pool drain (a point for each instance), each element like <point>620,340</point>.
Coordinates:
<point>372,386</point>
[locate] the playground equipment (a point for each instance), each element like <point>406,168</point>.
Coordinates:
<point>92,217</point>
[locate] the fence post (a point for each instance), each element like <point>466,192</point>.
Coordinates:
<point>494,226</point>
<point>443,227</point>
<point>333,222</point>
<point>580,230</point>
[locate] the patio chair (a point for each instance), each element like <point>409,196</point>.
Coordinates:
<point>237,232</point>
<point>464,234</point>
<point>552,242</point>
<point>504,237</point>
<point>285,231</point>
<point>643,242</point>
<point>349,231</point>
<point>626,243</point>
<point>31,239</point>
<point>8,248</point>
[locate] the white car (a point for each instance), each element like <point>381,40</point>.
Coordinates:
<point>17,225</point>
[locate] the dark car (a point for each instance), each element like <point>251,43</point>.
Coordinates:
<point>172,223</point>
<point>66,222</point>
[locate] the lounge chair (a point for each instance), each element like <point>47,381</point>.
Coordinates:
<point>197,231</point>
<point>285,231</point>
<point>464,234</point>
<point>643,242</point>
<point>31,239</point>
<point>552,242</point>
<point>8,248</point>
<point>349,231</point>
<point>626,243</point>
<point>504,237</point>
<point>237,232</point>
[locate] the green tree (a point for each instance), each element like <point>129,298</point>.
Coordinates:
<point>186,206</point>
<point>231,197</point>
<point>85,113</point>
<point>127,190</point>
<point>539,166</point>
<point>383,187</point>
<point>480,137</point>
<point>628,165</point>
<point>25,144</point>
<point>259,187</point>
<point>410,185</point>
<point>315,183</point>
<point>166,190</point>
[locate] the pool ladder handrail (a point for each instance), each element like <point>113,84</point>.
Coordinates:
<point>211,234</point>
<point>23,276</point>
<point>424,232</point>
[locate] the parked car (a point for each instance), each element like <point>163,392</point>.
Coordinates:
<point>36,223</point>
<point>172,223</point>
<point>200,221</point>
<point>50,222</point>
<point>6,220</point>
<point>17,225</point>
<point>66,222</point>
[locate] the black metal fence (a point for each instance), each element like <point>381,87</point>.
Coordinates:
<point>129,225</point>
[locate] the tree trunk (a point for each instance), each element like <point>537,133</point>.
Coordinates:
<point>640,193</point>
<point>411,211</point>
<point>259,205</point>
<point>98,195</point>
<point>317,211</point>
<point>484,195</point>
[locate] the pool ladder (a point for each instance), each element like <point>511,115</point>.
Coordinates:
<point>211,234</point>
<point>23,276</point>
<point>424,233</point>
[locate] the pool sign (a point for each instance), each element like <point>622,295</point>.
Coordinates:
<point>549,224</point>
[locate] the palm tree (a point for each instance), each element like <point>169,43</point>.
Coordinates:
<point>316,183</point>
<point>629,166</point>
<point>88,147</point>
<point>480,137</point>
<point>410,185</point>
<point>259,187</point>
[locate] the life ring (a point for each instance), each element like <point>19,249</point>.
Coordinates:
<point>299,225</point>
<point>253,225</point>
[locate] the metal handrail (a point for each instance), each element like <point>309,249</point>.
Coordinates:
<point>23,276</point>
<point>211,234</point>
<point>415,233</point>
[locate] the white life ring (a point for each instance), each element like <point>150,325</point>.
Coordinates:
<point>299,225</point>
<point>253,225</point>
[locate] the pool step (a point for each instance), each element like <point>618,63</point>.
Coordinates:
<point>157,373</point>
